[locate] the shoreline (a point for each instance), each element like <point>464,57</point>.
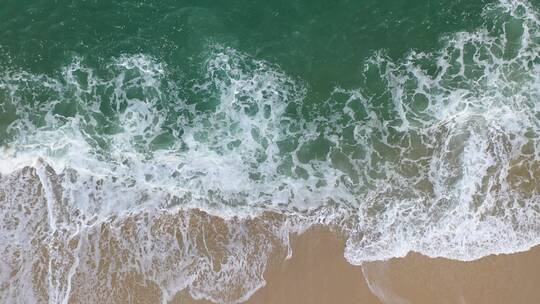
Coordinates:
<point>155,256</point>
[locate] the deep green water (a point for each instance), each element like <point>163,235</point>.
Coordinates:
<point>323,42</point>
<point>322,45</point>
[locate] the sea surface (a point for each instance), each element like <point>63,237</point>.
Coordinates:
<point>126,125</point>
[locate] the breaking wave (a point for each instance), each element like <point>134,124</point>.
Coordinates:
<point>437,152</point>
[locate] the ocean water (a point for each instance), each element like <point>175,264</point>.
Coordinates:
<point>409,126</point>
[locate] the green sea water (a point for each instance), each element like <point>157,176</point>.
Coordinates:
<point>413,125</point>
<point>323,45</point>
<point>323,42</point>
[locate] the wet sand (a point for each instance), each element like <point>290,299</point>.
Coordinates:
<point>318,273</point>
<point>513,278</point>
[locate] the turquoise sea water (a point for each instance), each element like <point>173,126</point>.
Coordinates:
<point>413,125</point>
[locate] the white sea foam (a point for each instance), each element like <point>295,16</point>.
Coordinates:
<point>460,175</point>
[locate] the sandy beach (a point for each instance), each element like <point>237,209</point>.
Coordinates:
<point>109,268</point>
<point>318,273</point>
<point>493,279</point>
